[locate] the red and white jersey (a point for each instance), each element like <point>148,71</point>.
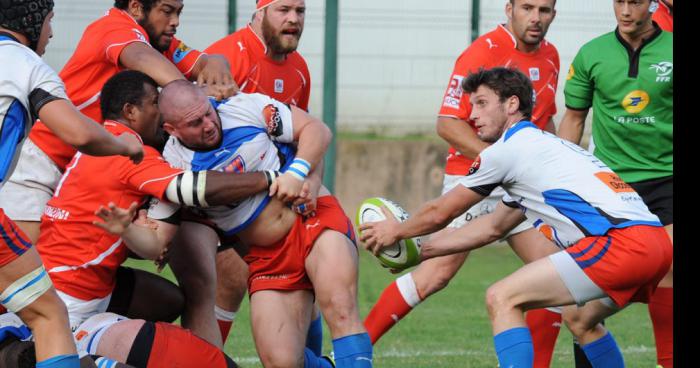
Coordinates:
<point>81,258</point>
<point>498,48</point>
<point>564,190</point>
<point>287,81</point>
<point>95,60</point>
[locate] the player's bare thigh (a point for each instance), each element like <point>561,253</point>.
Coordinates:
<point>280,321</point>
<point>332,266</point>
<point>117,341</point>
<point>531,245</point>
<point>22,265</point>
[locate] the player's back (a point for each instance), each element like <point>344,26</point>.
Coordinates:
<point>563,185</point>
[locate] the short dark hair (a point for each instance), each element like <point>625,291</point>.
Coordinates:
<point>147,4</point>
<point>505,82</point>
<point>512,2</point>
<point>125,87</point>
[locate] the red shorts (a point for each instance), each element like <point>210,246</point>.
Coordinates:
<point>174,346</point>
<point>282,265</point>
<point>627,264</point>
<point>13,242</point>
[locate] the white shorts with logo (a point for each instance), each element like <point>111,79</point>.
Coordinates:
<point>32,184</point>
<point>80,310</point>
<point>486,206</point>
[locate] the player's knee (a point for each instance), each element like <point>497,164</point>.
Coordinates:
<point>578,324</point>
<point>338,308</point>
<point>281,358</point>
<point>497,299</point>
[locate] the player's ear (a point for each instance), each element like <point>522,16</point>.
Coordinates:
<point>509,10</point>
<point>135,9</point>
<point>169,128</point>
<point>513,104</point>
<point>129,111</point>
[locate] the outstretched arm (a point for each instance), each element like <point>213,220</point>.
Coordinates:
<point>148,239</point>
<point>76,129</point>
<point>477,233</point>
<point>432,216</point>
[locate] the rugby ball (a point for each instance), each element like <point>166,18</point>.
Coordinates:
<point>401,255</point>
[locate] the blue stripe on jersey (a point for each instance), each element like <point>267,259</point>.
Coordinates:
<point>233,139</point>
<point>216,103</point>
<point>11,134</point>
<point>6,38</point>
<point>590,220</point>
<point>518,127</point>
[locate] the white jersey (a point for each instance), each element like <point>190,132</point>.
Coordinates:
<point>26,85</point>
<point>557,184</point>
<point>256,133</point>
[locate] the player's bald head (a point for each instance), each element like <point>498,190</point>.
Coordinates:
<point>180,100</point>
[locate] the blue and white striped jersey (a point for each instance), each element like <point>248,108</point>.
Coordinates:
<point>26,85</point>
<point>557,184</point>
<point>257,135</point>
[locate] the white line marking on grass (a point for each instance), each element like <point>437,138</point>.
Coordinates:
<point>392,353</point>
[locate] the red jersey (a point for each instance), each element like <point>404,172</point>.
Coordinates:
<point>82,259</point>
<point>95,60</point>
<point>287,81</point>
<point>498,48</point>
<point>663,17</point>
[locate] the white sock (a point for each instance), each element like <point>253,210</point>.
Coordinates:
<point>407,288</point>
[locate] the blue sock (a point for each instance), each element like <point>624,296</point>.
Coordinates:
<point>60,361</point>
<point>103,362</point>
<point>514,348</point>
<point>314,339</point>
<point>311,360</point>
<point>604,352</point>
<point>354,351</point>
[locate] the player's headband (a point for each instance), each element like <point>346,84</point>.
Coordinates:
<point>262,4</point>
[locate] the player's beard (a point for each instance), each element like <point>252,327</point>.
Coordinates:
<point>153,37</point>
<point>274,40</point>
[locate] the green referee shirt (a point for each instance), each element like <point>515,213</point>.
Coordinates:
<point>631,93</point>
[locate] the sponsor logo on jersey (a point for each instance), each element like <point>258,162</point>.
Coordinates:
<point>454,92</point>
<point>279,85</point>
<point>491,44</point>
<point>475,165</point>
<point>635,101</point>
<point>663,71</point>
<point>236,166</point>
<point>273,120</point>
<point>571,72</point>
<point>534,74</point>
<point>181,52</point>
<point>140,35</point>
<point>614,182</point>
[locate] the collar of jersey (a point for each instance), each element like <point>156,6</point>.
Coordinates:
<point>522,124</point>
<point>511,37</point>
<point>119,128</point>
<point>4,36</point>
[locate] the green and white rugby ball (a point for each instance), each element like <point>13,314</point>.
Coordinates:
<point>401,255</point>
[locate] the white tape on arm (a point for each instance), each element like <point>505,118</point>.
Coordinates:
<point>188,188</point>
<point>25,290</point>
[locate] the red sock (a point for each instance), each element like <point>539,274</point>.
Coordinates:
<point>225,320</point>
<point>544,326</point>
<point>661,312</point>
<point>391,306</point>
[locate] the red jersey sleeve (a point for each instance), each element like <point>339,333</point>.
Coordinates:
<point>116,39</point>
<point>182,56</point>
<point>151,176</point>
<point>455,103</point>
<point>306,92</point>
<point>233,49</point>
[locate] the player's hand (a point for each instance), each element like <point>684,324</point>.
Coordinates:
<point>286,188</point>
<point>216,78</point>
<point>134,148</point>
<point>143,220</point>
<point>116,219</point>
<point>379,235</point>
<point>305,204</point>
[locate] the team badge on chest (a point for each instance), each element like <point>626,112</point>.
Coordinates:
<point>279,85</point>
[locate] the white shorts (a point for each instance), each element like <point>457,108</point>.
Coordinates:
<point>486,206</point>
<point>32,184</point>
<point>80,310</point>
<point>88,334</point>
<point>581,287</point>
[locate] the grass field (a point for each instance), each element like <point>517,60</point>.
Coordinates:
<point>451,329</point>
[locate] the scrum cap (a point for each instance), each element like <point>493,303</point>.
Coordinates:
<point>25,17</point>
